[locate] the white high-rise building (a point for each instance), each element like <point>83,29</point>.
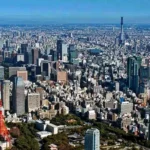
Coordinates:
<point>64,52</point>
<point>6,94</point>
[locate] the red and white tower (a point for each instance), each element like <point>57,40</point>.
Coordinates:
<point>3,129</point>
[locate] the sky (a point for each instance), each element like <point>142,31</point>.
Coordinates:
<point>74,11</point>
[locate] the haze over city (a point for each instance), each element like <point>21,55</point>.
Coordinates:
<point>73,11</point>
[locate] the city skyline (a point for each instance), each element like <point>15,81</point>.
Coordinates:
<point>85,11</point>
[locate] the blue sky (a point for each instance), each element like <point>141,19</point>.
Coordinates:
<point>71,11</point>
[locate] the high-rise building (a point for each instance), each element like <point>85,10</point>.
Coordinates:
<point>35,56</point>
<point>54,55</point>
<point>59,49</point>
<point>24,48</point>
<point>28,57</point>
<point>6,94</point>
<point>72,53</point>
<point>18,96</point>
<point>1,73</point>
<point>7,44</point>
<point>23,74</point>
<point>92,139</point>
<point>133,66</point>
<point>46,68</point>
<point>62,51</point>
<point>33,101</point>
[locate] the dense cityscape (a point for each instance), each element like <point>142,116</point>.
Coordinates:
<point>62,85</point>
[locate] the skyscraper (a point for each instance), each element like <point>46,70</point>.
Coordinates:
<point>54,55</point>
<point>59,49</point>
<point>19,97</point>
<point>6,94</point>
<point>45,68</point>
<point>24,48</point>
<point>92,139</point>
<point>133,66</point>
<point>7,44</point>
<point>62,50</point>
<point>72,53</point>
<point>35,56</point>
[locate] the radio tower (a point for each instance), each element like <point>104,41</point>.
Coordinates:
<point>121,40</point>
<point>3,129</point>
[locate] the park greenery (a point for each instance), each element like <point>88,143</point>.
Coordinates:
<point>26,140</point>
<point>69,119</point>
<point>107,133</point>
<point>61,140</point>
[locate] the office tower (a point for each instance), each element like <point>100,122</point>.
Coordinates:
<point>23,74</point>
<point>35,56</point>
<point>59,49</point>
<point>62,51</point>
<point>92,139</point>
<point>54,55</point>
<point>18,96</point>
<point>46,68</point>
<point>121,40</point>
<point>24,48</point>
<point>133,66</point>
<point>72,53</point>
<point>1,73</point>
<point>7,44</point>
<point>144,78</point>
<point>13,71</point>
<point>6,94</point>
<point>28,57</point>
<point>33,101</point>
